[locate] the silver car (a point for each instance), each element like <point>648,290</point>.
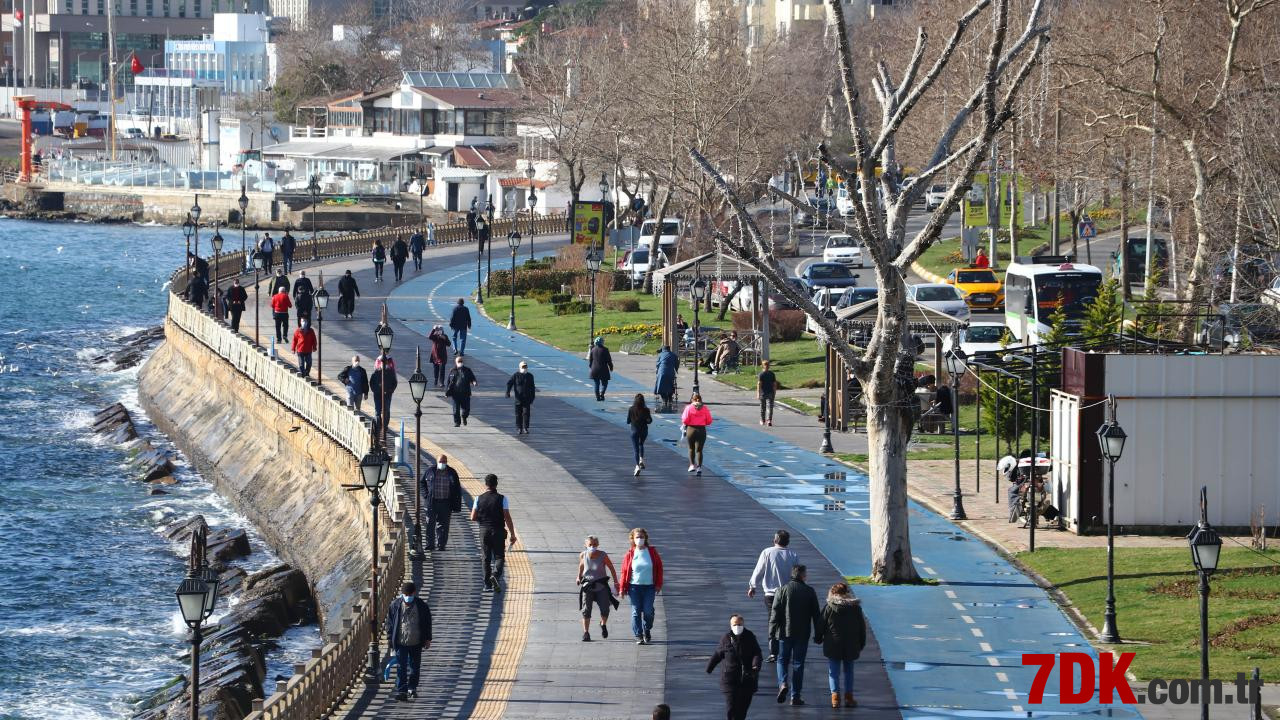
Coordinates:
<point>940,297</point>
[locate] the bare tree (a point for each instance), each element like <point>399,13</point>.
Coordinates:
<point>885,366</point>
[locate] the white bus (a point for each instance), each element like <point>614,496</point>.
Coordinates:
<point>1034,287</point>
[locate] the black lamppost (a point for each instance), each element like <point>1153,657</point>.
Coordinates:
<point>195,220</point>
<point>593,267</point>
<point>418,390</point>
<point>1205,548</point>
<point>513,240</point>
<point>322,302</point>
<point>375,467</point>
<point>188,228</point>
<point>956,368</point>
<point>244,207</point>
<point>385,336</point>
<point>488,278</point>
<point>533,202</point>
<point>422,214</point>
<point>825,446</point>
<point>1111,438</point>
<point>313,188</point>
<point>699,291</point>
<point>216,241</point>
<point>481,236</point>
<point>197,596</point>
<point>257,312</point>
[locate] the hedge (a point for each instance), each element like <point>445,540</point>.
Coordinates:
<point>784,325</point>
<point>546,279</point>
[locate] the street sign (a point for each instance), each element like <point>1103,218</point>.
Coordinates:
<point>588,222</point>
<point>1087,228</point>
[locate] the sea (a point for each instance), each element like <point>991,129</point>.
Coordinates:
<point>89,620</point>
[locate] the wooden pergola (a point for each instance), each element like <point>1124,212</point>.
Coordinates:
<point>676,279</point>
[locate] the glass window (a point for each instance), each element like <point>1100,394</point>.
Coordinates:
<point>984,333</point>
<point>935,294</point>
<point>70,7</point>
<point>829,272</point>
<point>102,7</point>
<point>474,122</point>
<point>977,276</point>
<point>1067,290</point>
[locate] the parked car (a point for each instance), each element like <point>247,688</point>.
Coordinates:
<point>823,210</point>
<point>1271,296</point>
<point>777,301</point>
<point>981,339</point>
<point>941,297</point>
<point>636,263</point>
<point>1237,323</point>
<point>981,287</point>
<point>825,274</point>
<point>934,196</point>
<point>847,298</point>
<point>843,249</point>
<point>668,235</point>
<point>1137,248</point>
<point>134,133</point>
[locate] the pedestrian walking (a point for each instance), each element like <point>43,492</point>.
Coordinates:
<point>641,582</point>
<point>266,250</point>
<point>460,323</point>
<point>348,291</point>
<point>439,354</point>
<point>287,246</point>
<point>199,266</point>
<point>304,343</point>
<point>766,392</point>
<point>842,643</point>
<point>198,291</point>
<point>357,382</point>
<point>237,297</point>
<point>521,383</point>
<point>416,245</point>
<point>458,389</point>
<point>280,305</point>
<point>694,422</point>
<point>280,282</point>
<point>600,365</point>
<point>493,511</point>
<point>382,385</point>
<point>665,384</point>
<point>431,233</point>
<point>740,652</point>
<point>639,418</point>
<point>379,259</point>
<point>773,570</point>
<point>795,613</point>
<point>399,255</point>
<point>443,491</point>
<point>408,634</point>
<point>471,221</point>
<point>594,570</point>
<point>302,288</point>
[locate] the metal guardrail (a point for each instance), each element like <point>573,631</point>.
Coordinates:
<point>320,684</point>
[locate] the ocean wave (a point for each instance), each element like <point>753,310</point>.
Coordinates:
<point>74,630</point>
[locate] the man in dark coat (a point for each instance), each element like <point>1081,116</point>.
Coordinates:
<point>460,323</point>
<point>199,266</point>
<point>287,245</point>
<point>198,291</point>
<point>600,363</point>
<point>280,283</point>
<point>399,255</point>
<point>348,291</point>
<point>458,389</point>
<point>416,246</point>
<point>439,354</point>
<point>357,381</point>
<point>408,634</point>
<point>303,296</point>
<point>493,511</point>
<point>795,612</point>
<point>382,384</point>
<point>471,222</point>
<point>442,495</point>
<point>740,652</point>
<point>665,384</point>
<point>236,299</point>
<point>522,384</point>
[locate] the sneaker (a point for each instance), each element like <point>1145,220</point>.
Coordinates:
<point>457,424</point>
<point>761,423</point>
<point>464,419</point>
<point>772,659</point>
<point>413,694</point>
<point>692,468</point>
<point>402,696</point>
<point>586,637</point>
<point>636,471</point>
<point>639,639</point>
<point>641,463</point>
<point>797,701</point>
<point>782,694</point>
<point>648,640</point>
<point>770,423</point>
<point>604,631</point>
<point>699,471</point>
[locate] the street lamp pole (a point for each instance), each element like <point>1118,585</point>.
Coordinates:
<point>244,206</point>
<point>188,228</point>
<point>375,466</point>
<point>418,390</point>
<point>257,312</point>
<point>699,291</point>
<point>825,447</point>
<point>195,220</point>
<point>217,254</point>
<point>1205,549</point>
<point>322,302</point>
<point>313,188</point>
<point>531,173</point>
<point>385,336</point>
<point>513,240</point>
<point>488,278</point>
<point>197,597</point>
<point>1111,439</point>
<point>956,368</point>
<point>480,233</point>
<point>593,267</point>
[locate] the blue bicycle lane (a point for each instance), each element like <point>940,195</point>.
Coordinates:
<point>952,650</point>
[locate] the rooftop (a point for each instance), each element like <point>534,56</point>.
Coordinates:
<point>462,81</point>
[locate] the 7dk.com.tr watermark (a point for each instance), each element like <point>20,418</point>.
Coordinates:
<point>1076,674</point>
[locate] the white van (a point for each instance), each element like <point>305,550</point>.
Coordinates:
<point>669,235</point>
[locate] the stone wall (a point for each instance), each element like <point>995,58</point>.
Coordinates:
<point>272,466</point>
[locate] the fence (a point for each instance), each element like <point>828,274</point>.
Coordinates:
<point>318,685</point>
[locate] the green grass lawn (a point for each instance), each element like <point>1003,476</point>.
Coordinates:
<point>1157,604</point>
<point>798,364</point>
<point>945,449</point>
<point>572,332</point>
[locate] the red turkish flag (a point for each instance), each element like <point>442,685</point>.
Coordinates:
<point>136,65</point>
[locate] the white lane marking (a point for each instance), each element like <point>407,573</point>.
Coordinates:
<point>976,632</point>
<point>986,647</point>
<point>1017,708</point>
<point>968,620</point>
<point>1011,693</point>
<point>1002,677</point>
<point>993,662</point>
<point>951,594</point>
<point>928,569</point>
<point>913,557</point>
<point>958,606</point>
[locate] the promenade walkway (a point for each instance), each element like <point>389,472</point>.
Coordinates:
<point>948,650</point>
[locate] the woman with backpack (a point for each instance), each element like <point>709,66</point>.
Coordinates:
<point>379,260</point>
<point>639,418</point>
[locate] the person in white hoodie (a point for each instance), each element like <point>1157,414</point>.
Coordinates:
<point>773,570</point>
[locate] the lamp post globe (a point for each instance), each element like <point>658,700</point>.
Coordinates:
<point>191,600</point>
<point>418,386</point>
<point>188,227</point>
<point>956,368</point>
<point>217,241</point>
<point>195,212</point>
<point>371,469</point>
<point>385,336</point>
<point>210,577</point>
<point>243,201</point>
<point>322,298</point>
<point>604,187</point>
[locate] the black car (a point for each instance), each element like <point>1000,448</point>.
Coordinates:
<point>1137,249</point>
<point>824,275</point>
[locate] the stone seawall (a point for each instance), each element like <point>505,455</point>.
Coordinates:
<point>273,467</point>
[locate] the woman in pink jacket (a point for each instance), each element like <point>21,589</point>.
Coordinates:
<point>694,421</point>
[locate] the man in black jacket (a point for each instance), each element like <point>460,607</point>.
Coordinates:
<point>236,299</point>
<point>795,611</point>
<point>443,495</point>
<point>280,282</point>
<point>399,255</point>
<point>460,323</point>
<point>408,634</point>
<point>740,652</point>
<point>522,384</point>
<point>458,389</point>
<point>382,384</point>
<point>493,512</point>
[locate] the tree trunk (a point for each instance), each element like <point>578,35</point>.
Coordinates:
<point>888,431</point>
<point>653,240</point>
<point>1200,262</point>
<point>724,304</point>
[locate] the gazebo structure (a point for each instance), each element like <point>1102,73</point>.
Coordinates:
<point>721,273</point>
<point>858,322</point>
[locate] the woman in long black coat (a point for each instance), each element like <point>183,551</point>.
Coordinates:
<point>600,362</point>
<point>348,291</point>
<point>740,653</point>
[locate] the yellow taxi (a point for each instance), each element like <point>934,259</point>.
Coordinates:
<point>981,287</point>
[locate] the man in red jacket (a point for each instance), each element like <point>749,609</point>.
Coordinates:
<point>280,304</point>
<point>304,343</point>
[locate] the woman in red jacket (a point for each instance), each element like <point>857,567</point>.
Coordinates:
<point>641,581</point>
<point>304,343</point>
<point>695,420</point>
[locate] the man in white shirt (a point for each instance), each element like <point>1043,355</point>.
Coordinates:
<point>773,570</point>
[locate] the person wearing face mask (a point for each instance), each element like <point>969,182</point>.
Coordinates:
<point>458,389</point>
<point>600,364</point>
<point>304,343</point>
<point>383,385</point>
<point>594,569</point>
<point>694,422</point>
<point>641,582</point>
<point>408,634</point>
<point>439,354</point>
<point>522,383</point>
<point>493,511</point>
<point>740,652</point>
<point>357,382</point>
<point>443,491</point>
